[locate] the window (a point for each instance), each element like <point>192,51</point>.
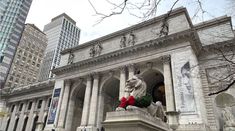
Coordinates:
<point>30,105</point>
<point>39,104</point>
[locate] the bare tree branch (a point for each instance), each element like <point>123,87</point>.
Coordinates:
<point>225,89</point>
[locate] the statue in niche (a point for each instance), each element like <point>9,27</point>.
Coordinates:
<point>71,57</point>
<point>123,41</point>
<point>95,50</point>
<point>229,121</point>
<point>131,39</point>
<point>136,97</point>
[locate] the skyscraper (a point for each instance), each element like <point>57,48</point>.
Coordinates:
<point>28,57</point>
<point>13,14</point>
<point>62,33</point>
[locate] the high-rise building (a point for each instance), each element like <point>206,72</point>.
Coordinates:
<point>13,14</point>
<point>62,33</point>
<point>28,57</point>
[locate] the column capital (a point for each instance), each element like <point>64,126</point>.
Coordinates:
<point>166,59</point>
<point>122,69</point>
<point>95,74</point>
<point>131,66</point>
<point>67,81</point>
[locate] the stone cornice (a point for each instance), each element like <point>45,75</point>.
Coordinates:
<point>131,28</point>
<point>45,85</point>
<point>212,22</point>
<point>155,43</point>
<point>219,45</point>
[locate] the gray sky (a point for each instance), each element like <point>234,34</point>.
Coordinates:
<point>42,11</point>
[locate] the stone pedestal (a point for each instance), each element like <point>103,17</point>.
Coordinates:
<point>133,120</point>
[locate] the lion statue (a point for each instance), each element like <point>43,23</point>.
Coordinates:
<point>136,97</point>
<point>135,87</point>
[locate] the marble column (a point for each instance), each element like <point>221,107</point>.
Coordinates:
<point>122,82</point>
<point>13,118</point>
<point>64,105</point>
<point>2,111</point>
<point>29,125</point>
<point>131,69</point>
<point>69,117</point>
<point>5,119</point>
<point>94,101</point>
<point>170,105</point>
<point>86,103</point>
<point>172,115</point>
<point>100,109</point>
<point>21,119</point>
<point>41,116</point>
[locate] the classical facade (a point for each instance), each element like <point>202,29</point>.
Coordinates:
<point>178,66</point>
<point>28,58</point>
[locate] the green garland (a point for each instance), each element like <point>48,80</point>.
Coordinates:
<point>143,101</point>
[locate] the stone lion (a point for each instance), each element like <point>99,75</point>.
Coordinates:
<point>136,88</point>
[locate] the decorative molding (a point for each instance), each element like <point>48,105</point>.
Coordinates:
<point>122,69</point>
<point>95,74</point>
<point>166,59</point>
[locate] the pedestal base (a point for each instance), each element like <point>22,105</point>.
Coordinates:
<point>133,120</point>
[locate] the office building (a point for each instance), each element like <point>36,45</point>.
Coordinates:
<point>62,33</point>
<point>28,57</point>
<point>13,14</point>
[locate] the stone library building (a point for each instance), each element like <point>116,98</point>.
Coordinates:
<point>164,74</point>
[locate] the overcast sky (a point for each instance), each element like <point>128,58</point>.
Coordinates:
<point>42,11</point>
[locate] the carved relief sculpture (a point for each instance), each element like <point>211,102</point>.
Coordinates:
<point>229,121</point>
<point>131,39</point>
<point>95,50</point>
<point>123,41</point>
<point>71,57</point>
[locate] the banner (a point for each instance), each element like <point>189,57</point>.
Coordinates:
<point>54,106</point>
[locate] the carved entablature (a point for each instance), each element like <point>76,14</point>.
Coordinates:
<point>96,49</point>
<point>130,40</point>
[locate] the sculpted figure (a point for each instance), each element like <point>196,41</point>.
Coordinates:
<point>131,40</point>
<point>71,57</point>
<point>123,42</point>
<point>135,97</point>
<point>229,121</point>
